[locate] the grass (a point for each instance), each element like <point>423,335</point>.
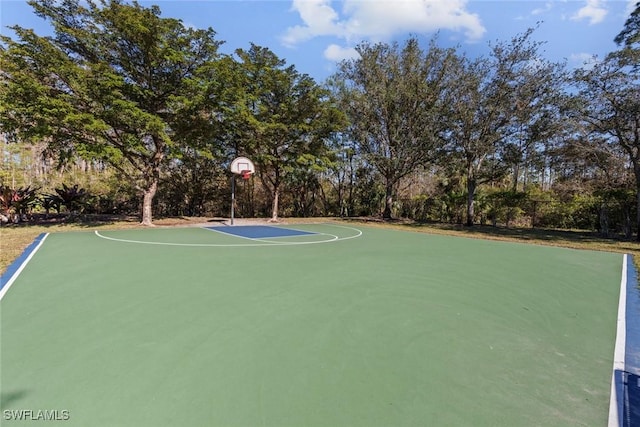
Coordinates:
<point>15,238</point>
<point>576,239</point>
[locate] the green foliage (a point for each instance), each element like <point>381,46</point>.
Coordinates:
<point>417,208</point>
<point>608,107</point>
<point>195,186</point>
<point>74,198</point>
<point>50,201</point>
<point>504,206</point>
<point>115,196</point>
<point>629,39</point>
<point>392,95</point>
<point>303,185</point>
<point>112,84</point>
<point>630,34</point>
<point>282,118</point>
<point>498,108</point>
<point>368,193</point>
<point>124,104</point>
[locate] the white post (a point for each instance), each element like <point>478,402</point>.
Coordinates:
<point>233,195</point>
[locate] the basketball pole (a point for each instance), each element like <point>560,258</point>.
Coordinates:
<point>233,194</point>
<point>244,167</point>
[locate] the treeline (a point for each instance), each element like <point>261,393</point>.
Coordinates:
<point>144,114</point>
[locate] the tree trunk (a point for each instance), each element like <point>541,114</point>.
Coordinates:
<point>274,206</point>
<point>626,224</point>
<point>604,219</point>
<point>638,209</point>
<point>147,202</point>
<point>471,194</point>
<point>516,176</point>
<point>388,200</point>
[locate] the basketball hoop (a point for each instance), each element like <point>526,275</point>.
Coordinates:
<point>243,167</point>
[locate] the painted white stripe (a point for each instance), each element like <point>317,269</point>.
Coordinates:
<point>358,231</point>
<point>15,275</point>
<point>257,242</point>
<point>615,402</point>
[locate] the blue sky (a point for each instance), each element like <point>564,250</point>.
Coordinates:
<point>314,34</point>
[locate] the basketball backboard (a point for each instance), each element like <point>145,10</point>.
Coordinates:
<point>242,165</point>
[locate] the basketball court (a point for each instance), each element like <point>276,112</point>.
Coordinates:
<point>314,325</point>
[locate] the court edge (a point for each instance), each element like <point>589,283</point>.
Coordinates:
<point>14,270</point>
<point>616,402</point>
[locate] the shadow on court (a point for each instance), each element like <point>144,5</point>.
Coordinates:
<point>9,398</point>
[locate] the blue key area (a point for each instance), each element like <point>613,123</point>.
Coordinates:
<point>632,403</point>
<point>259,231</point>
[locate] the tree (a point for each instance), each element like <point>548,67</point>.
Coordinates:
<point>496,108</point>
<point>285,118</point>
<point>608,102</point>
<point>392,95</point>
<point>111,84</point>
<point>340,176</point>
<point>629,37</point>
<point>607,106</point>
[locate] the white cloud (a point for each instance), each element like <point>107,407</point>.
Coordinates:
<point>581,57</point>
<point>593,10</point>
<point>336,53</point>
<point>376,20</point>
<point>584,60</point>
<point>319,18</point>
<point>542,10</point>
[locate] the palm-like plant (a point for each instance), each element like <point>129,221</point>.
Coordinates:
<point>74,198</point>
<point>50,201</point>
<point>16,203</point>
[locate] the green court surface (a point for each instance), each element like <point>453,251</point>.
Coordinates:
<point>346,327</point>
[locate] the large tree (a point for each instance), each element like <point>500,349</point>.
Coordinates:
<point>629,37</point>
<point>112,83</point>
<point>283,118</point>
<point>497,107</point>
<point>608,102</point>
<point>392,95</point>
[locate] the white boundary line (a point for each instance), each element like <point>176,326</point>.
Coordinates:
<point>259,242</point>
<point>616,401</point>
<point>15,275</point>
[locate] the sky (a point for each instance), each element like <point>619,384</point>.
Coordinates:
<point>314,35</point>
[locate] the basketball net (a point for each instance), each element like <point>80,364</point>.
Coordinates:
<point>246,174</point>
